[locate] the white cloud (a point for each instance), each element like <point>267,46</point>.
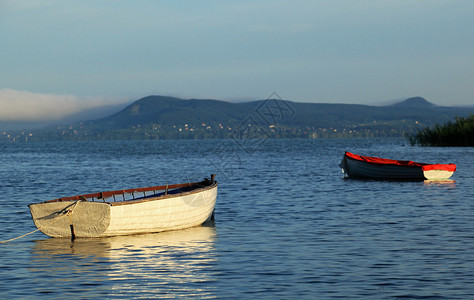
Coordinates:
<point>26,106</point>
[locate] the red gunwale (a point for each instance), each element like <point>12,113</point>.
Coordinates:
<point>404,163</point>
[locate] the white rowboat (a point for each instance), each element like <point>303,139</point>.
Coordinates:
<point>147,210</point>
<point>370,167</point>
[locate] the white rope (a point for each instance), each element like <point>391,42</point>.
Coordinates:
<point>18,237</point>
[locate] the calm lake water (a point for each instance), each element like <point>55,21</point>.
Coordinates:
<point>287,224</point>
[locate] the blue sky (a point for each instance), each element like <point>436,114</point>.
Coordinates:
<point>73,55</point>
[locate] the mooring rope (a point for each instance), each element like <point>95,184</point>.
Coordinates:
<point>66,213</point>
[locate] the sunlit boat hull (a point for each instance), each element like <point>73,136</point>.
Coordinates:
<point>367,167</point>
<point>169,208</point>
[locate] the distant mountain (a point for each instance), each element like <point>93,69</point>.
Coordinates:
<point>414,102</point>
<point>161,117</point>
<point>175,111</point>
<point>169,111</point>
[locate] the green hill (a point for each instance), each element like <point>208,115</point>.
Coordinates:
<point>174,111</point>
<point>168,111</point>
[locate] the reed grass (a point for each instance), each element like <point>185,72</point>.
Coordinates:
<point>459,133</point>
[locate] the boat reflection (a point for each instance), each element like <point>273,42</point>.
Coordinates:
<point>449,183</point>
<point>181,263</point>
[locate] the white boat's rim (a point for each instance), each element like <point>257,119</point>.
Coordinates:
<point>129,196</point>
